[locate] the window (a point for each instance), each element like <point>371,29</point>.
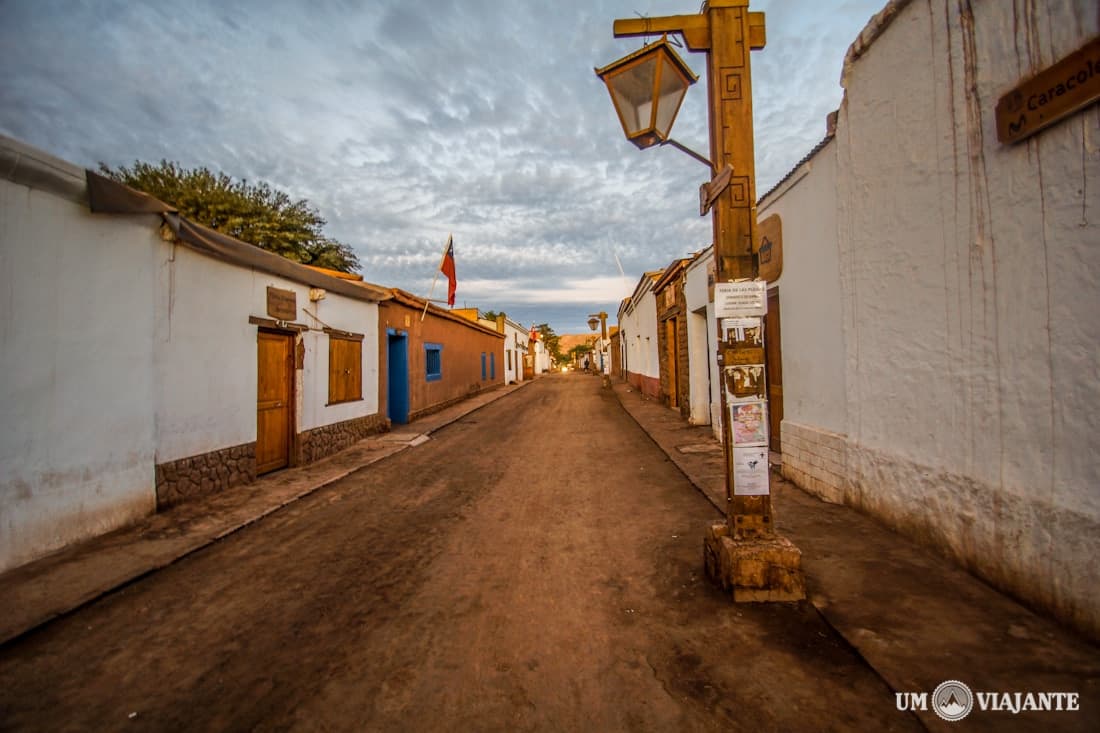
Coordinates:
<point>345,367</point>
<point>433,361</point>
<point>509,361</point>
<point>483,366</point>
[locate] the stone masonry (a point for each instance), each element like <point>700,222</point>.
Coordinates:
<point>315,444</point>
<point>186,478</point>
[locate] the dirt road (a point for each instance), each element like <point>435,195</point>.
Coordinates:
<point>535,566</point>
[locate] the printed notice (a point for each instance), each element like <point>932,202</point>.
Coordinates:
<point>738,300</point>
<point>750,471</point>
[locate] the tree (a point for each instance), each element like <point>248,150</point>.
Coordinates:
<point>551,341</point>
<point>578,352</point>
<point>254,213</point>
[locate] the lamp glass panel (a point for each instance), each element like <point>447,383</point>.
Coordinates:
<point>632,92</point>
<point>670,93</point>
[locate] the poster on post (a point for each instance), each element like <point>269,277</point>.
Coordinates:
<point>750,471</point>
<point>744,382</point>
<point>743,333</point>
<point>750,423</point>
<point>739,299</point>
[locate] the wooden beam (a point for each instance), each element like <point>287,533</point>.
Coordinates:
<point>694,28</point>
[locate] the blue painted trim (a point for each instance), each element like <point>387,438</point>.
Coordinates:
<point>433,376</point>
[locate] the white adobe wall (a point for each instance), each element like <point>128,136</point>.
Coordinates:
<point>969,276</point>
<point>814,428</point>
<point>702,332</point>
<point>513,335</point>
<point>640,325</point>
<point>76,354</point>
<point>206,353</point>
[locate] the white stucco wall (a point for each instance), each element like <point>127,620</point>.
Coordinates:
<point>811,328</point>
<point>639,323</point>
<point>339,312</point>
<point>702,332</point>
<point>515,340</point>
<point>970,299</point>
<point>76,354</point>
<point>206,353</point>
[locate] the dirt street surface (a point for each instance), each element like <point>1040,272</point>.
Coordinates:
<point>536,565</point>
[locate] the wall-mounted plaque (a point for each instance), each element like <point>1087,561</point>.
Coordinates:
<point>769,248</point>
<point>281,304</point>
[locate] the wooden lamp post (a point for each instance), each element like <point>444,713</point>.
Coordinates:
<point>744,553</point>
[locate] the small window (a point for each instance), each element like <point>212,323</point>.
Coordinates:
<point>345,368</point>
<point>483,366</point>
<point>433,361</point>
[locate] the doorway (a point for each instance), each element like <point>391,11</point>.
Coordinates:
<point>397,377</point>
<point>773,364</point>
<point>672,359</point>
<point>274,399</point>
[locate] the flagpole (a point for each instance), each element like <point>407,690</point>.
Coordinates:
<point>438,269</point>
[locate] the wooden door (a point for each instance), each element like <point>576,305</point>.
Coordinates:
<point>773,360</point>
<point>274,400</point>
<point>671,357</point>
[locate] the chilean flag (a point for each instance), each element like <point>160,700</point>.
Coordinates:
<point>447,267</point>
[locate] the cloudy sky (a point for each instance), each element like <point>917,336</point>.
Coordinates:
<point>404,121</point>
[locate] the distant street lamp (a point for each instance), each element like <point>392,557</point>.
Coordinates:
<point>600,319</point>
<point>744,553</point>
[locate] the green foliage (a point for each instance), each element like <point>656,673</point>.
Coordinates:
<point>577,353</point>
<point>254,213</point>
<point>551,341</point>
<point>491,315</point>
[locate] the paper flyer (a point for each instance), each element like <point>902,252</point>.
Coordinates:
<point>750,471</point>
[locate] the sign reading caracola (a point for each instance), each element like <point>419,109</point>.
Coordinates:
<point>1056,92</point>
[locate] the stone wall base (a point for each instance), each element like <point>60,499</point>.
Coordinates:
<point>187,478</point>
<point>758,570</point>
<point>318,443</point>
<point>816,460</point>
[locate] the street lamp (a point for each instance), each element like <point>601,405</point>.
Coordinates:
<point>744,553</point>
<point>647,88</point>
<point>600,319</point>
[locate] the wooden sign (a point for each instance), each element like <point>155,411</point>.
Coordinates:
<point>281,304</point>
<point>769,248</point>
<point>710,191</point>
<point>1054,93</point>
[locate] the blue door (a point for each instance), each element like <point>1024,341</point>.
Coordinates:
<point>397,377</point>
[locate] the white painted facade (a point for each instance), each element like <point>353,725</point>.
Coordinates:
<point>202,404</point>
<point>939,301</point>
<point>77,428</point>
<point>122,351</point>
<point>515,347</point>
<point>702,333</point>
<point>638,334</point>
<point>542,358</point>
